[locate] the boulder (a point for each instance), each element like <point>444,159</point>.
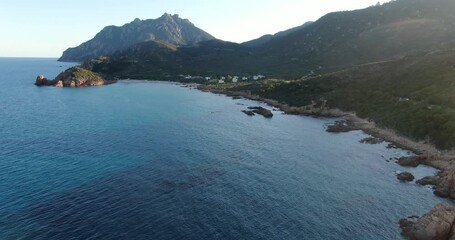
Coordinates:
<point>405,177</point>
<point>436,224</point>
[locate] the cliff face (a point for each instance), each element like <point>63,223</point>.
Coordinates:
<point>73,77</point>
<point>168,28</point>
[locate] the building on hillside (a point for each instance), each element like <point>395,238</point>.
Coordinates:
<point>258,77</point>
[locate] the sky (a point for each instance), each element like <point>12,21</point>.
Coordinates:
<point>45,28</point>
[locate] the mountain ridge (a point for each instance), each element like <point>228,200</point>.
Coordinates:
<point>267,37</point>
<point>335,41</point>
<point>168,28</point>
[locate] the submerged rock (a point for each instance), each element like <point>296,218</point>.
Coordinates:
<point>405,177</point>
<point>436,224</point>
<point>247,112</point>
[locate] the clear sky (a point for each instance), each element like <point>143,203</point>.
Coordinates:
<point>45,28</point>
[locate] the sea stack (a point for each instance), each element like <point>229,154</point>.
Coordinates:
<point>41,80</point>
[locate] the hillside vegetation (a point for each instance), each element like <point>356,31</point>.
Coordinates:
<point>158,60</point>
<point>412,95</point>
<point>334,42</point>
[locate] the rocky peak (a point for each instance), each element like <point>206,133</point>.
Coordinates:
<point>169,16</point>
<point>167,28</point>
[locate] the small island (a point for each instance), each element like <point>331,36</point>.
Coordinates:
<point>74,77</point>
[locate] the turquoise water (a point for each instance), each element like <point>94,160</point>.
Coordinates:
<point>151,160</point>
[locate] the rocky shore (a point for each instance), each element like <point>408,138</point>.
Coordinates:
<point>73,77</point>
<point>438,223</point>
<point>314,109</point>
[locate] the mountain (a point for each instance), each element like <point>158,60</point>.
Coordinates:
<point>336,41</point>
<point>266,38</point>
<point>344,39</point>
<point>167,28</point>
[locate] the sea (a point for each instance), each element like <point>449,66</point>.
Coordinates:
<point>157,160</point>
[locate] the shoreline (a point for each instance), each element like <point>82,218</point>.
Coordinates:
<point>433,224</point>
<point>351,121</point>
<point>425,153</point>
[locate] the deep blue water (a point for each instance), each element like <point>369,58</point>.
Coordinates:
<point>150,160</point>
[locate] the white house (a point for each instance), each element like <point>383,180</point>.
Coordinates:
<point>208,78</point>
<point>235,79</point>
<point>223,78</point>
<point>220,81</point>
<point>258,77</point>
<point>244,78</point>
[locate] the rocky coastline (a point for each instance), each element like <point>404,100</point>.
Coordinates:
<point>425,227</point>
<point>438,224</point>
<point>443,182</point>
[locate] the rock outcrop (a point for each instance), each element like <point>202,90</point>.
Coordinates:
<point>438,224</point>
<point>372,140</point>
<point>262,111</point>
<point>340,127</point>
<point>429,180</point>
<point>412,161</point>
<point>405,177</point>
<point>73,77</point>
<point>41,80</point>
<point>445,184</point>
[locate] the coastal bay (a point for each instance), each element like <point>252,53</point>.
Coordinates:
<point>179,162</point>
